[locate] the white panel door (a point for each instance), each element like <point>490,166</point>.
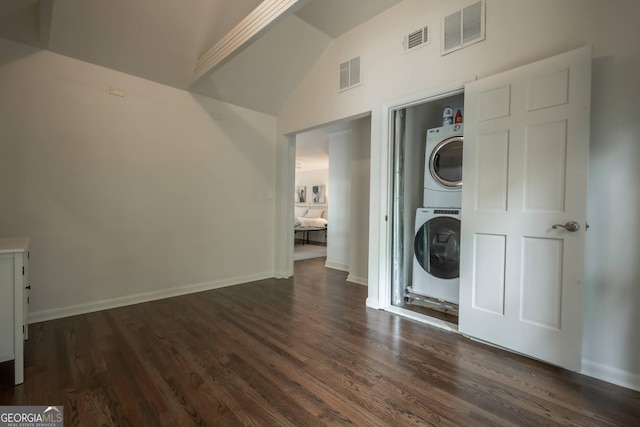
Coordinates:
<point>526,154</point>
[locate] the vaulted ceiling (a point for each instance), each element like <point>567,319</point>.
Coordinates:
<point>162,40</point>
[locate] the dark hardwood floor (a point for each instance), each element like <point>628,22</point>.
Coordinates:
<point>298,352</point>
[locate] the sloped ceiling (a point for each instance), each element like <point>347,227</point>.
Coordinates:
<point>336,17</point>
<point>161,40</point>
<point>263,76</point>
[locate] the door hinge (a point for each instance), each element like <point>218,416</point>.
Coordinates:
<point>386,217</point>
<point>23,270</point>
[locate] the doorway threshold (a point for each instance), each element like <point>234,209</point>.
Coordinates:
<point>438,323</point>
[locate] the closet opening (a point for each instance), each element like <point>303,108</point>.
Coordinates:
<point>426,175</point>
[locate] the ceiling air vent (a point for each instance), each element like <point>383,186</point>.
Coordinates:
<point>416,39</point>
<point>350,74</point>
<point>463,27</point>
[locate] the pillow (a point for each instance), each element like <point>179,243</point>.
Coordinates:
<point>300,212</point>
<point>314,213</point>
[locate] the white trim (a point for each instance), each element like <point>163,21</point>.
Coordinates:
<point>358,280</point>
<point>451,327</point>
<point>384,242</point>
<point>372,303</point>
<point>284,234</point>
<point>610,374</point>
<point>337,266</point>
<point>73,310</point>
<point>339,133</point>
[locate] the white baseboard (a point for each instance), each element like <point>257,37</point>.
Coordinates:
<point>282,275</point>
<point>74,310</point>
<point>337,265</point>
<point>442,324</point>
<point>610,374</point>
<point>358,280</point>
<point>372,303</point>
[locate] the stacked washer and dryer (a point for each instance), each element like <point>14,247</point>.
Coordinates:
<point>436,260</point>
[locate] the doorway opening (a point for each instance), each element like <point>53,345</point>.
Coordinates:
<point>332,165</point>
<point>311,211</point>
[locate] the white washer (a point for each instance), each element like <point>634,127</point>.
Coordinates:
<point>443,167</point>
<point>436,258</point>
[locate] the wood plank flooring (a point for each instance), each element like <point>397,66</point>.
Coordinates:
<point>301,352</point>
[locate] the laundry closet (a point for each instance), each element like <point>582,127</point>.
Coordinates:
<point>522,216</point>
<point>427,197</point>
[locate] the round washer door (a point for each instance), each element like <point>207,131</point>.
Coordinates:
<point>445,162</point>
<point>437,247</point>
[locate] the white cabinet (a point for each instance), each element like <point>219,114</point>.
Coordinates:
<point>14,258</point>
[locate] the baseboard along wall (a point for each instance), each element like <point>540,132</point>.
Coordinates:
<point>74,310</point>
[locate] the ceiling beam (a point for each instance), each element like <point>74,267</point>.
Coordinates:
<point>263,17</point>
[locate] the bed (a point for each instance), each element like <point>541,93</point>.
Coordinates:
<point>308,219</point>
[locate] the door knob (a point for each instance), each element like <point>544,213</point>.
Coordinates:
<point>571,226</point>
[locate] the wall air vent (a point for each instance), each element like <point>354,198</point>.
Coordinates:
<point>463,27</point>
<point>416,39</point>
<point>350,74</point>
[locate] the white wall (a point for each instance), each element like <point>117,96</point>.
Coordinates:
<point>130,198</point>
<point>359,227</point>
<point>518,32</point>
<point>340,200</point>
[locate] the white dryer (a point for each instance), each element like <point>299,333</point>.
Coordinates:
<point>443,167</point>
<point>436,259</point>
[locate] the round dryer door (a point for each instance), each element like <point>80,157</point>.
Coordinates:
<point>437,247</point>
<point>445,163</point>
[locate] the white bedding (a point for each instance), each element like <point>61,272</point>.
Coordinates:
<point>301,222</point>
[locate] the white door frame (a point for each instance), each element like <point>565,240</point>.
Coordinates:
<point>284,212</point>
<point>381,246</point>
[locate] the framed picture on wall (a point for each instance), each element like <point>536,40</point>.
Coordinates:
<point>301,194</point>
<point>317,195</point>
